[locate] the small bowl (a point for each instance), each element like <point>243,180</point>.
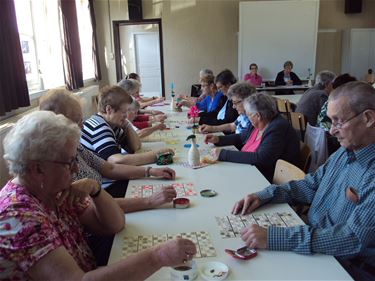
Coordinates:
<point>185,271</point>
<point>214,271</point>
<point>181,203</point>
<point>208,193</point>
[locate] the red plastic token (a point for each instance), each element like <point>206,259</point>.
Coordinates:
<point>181,203</point>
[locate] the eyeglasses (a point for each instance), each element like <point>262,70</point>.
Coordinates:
<point>253,68</point>
<point>339,125</point>
<point>70,164</point>
<point>236,102</point>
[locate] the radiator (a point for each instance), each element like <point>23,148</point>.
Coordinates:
<point>88,96</point>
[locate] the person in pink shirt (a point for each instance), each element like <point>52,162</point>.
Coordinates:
<point>253,77</point>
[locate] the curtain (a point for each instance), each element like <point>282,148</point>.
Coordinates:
<point>71,45</point>
<point>13,86</point>
<point>95,53</point>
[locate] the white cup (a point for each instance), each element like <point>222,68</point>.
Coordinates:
<point>184,271</point>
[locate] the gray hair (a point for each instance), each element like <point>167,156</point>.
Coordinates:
<point>324,78</point>
<point>205,72</point>
<point>361,96</point>
<point>241,90</point>
<point>262,103</point>
<point>40,135</point>
<point>135,105</point>
<point>129,85</point>
<point>288,63</point>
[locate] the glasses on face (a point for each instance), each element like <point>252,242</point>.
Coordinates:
<point>254,68</point>
<point>70,164</point>
<point>339,125</point>
<point>236,102</point>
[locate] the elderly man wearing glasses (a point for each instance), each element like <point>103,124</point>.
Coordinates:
<point>341,192</point>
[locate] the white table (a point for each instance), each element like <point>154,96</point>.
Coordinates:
<point>231,181</point>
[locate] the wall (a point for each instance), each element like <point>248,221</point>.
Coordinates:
<point>332,21</point>
<point>203,33</point>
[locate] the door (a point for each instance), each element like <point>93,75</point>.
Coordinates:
<point>147,60</point>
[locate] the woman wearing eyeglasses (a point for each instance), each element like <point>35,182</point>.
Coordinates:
<point>43,213</point>
<point>270,138</point>
<point>253,77</point>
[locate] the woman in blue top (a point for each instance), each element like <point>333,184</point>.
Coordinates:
<point>214,99</point>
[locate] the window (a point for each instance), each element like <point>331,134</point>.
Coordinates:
<point>40,36</point>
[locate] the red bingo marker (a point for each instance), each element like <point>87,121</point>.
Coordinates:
<point>244,253</point>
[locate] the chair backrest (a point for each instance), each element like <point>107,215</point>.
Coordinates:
<point>284,107</point>
<point>305,157</point>
<point>298,121</point>
<point>316,139</point>
<point>286,172</point>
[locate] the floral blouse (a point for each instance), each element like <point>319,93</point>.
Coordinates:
<point>29,231</point>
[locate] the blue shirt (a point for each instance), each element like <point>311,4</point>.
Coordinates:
<point>209,104</point>
<point>337,226</point>
<point>221,114</point>
<point>242,123</point>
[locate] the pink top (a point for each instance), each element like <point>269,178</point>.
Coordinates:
<point>255,80</point>
<point>252,143</point>
<point>29,231</point>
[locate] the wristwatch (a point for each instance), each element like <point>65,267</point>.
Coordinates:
<point>147,172</point>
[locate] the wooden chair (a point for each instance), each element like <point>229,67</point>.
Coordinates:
<point>305,153</point>
<point>299,123</point>
<point>285,172</point>
<point>284,108</point>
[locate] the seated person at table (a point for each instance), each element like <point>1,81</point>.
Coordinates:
<point>146,131</point>
<point>313,99</point>
<point>253,77</point>
<point>341,192</point>
<point>323,120</point>
<point>270,138</point>
<point>287,77</point>
<point>370,77</point>
<point>203,73</point>
<point>237,93</point>
<point>225,114</point>
<point>61,101</point>
<point>108,131</point>
<point>43,213</point>
<point>133,87</point>
<point>214,99</point>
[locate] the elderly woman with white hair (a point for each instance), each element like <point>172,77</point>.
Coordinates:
<point>270,138</point>
<point>42,212</point>
<point>133,87</point>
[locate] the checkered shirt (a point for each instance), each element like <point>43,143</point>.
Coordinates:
<point>337,225</point>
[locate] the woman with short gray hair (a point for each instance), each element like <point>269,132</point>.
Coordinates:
<point>270,138</point>
<point>133,88</point>
<point>237,93</point>
<point>43,213</point>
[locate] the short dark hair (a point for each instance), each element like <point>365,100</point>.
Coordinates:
<point>342,79</point>
<point>253,64</point>
<point>226,78</point>
<point>132,75</point>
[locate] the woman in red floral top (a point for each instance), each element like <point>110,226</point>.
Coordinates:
<point>42,213</point>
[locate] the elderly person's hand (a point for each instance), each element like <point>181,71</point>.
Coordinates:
<point>205,129</point>
<point>211,139</point>
<point>215,152</point>
<point>162,151</point>
<point>160,126</point>
<point>79,190</point>
<point>175,252</point>
<point>165,195</point>
<point>246,205</point>
<point>165,173</point>
<point>255,236</point>
<point>159,118</point>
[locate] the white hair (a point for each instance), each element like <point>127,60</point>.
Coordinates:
<point>262,103</point>
<point>40,135</point>
<point>129,85</point>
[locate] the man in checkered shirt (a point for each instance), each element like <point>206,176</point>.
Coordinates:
<point>341,192</point>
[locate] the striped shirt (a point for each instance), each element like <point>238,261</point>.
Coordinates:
<point>338,224</point>
<point>100,138</point>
